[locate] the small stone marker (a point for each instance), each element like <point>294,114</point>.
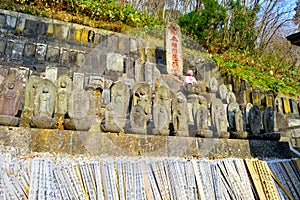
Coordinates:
<point>268,120</point>
<point>255,120</point>
<point>51,73</point>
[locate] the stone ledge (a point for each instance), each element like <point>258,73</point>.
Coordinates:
<point>111,144</point>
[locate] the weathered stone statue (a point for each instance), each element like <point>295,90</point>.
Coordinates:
<point>162,97</point>
<point>268,120</point>
<point>197,101</point>
<point>254,120</point>
<point>111,123</point>
<point>219,118</point>
<point>64,87</point>
<point>239,124</point>
<point>223,90</point>
<point>138,120</point>
<point>230,97</point>
<point>79,107</point>
<point>180,116</point>
<point>10,99</point>
<point>118,108</point>
<point>94,92</point>
<point>161,120</point>
<point>201,123</point>
<point>278,105</point>
<point>213,85</point>
<point>30,100</point>
<point>120,96</point>
<point>106,92</point>
<point>142,95</point>
<point>232,109</point>
<point>4,72</point>
<point>95,99</point>
<point>78,81</point>
<point>246,116</point>
<point>44,105</point>
<point>202,119</point>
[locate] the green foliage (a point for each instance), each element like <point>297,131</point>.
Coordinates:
<point>219,28</point>
<point>204,25</point>
<point>241,33</point>
<point>110,11</point>
<point>107,11</point>
<point>260,71</point>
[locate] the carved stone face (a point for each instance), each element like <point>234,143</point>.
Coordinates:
<point>180,100</point>
<point>45,89</point>
<point>11,86</point>
<point>34,85</point>
<point>142,92</point>
<point>63,84</point>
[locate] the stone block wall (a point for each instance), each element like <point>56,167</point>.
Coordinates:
<point>36,43</point>
<point>110,144</point>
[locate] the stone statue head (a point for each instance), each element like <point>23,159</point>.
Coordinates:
<point>45,89</point>
<point>63,84</point>
<point>11,86</point>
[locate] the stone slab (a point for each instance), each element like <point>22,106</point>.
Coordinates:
<point>98,143</point>
<point>153,146</point>
<point>11,21</point>
<point>52,54</point>
<point>30,29</point>
<point>114,62</point>
<point>2,20</point>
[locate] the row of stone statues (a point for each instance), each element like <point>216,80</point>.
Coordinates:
<point>66,104</point>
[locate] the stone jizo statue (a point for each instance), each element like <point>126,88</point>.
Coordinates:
<point>44,105</point>
<point>142,95</point>
<point>255,120</point>
<point>138,120</point>
<point>213,85</point>
<point>232,109</point>
<point>10,100</point>
<point>180,117</point>
<point>161,120</point>
<point>31,90</point>
<point>64,89</point>
<point>219,118</point>
<point>268,120</point>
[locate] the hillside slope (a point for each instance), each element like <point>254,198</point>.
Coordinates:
<point>107,15</point>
